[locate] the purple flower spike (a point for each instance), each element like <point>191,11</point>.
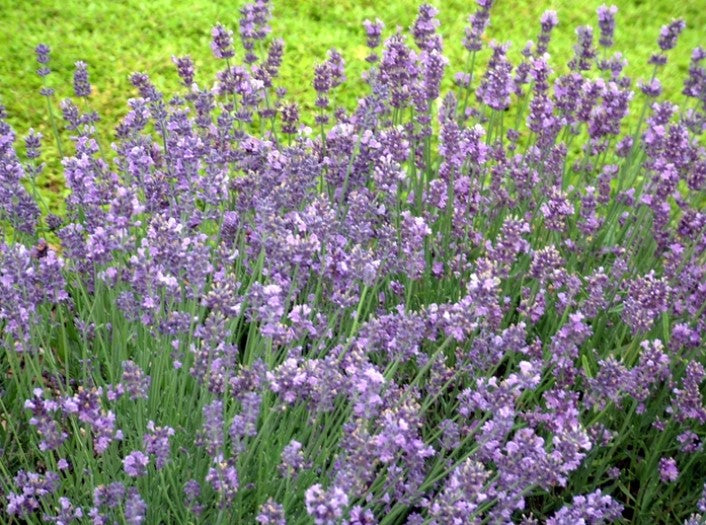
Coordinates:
<point>669,34</point>
<point>32,490</point>
<point>584,53</point>
<point>223,477</point>
<point>497,84</point>
<point>595,508</point>
<point>157,443</point>
<point>43,419</point>
<point>290,118</point>
<point>647,297</point>
<point>687,401</point>
<point>42,52</point>
<point>271,513</point>
<point>373,32</point>
<point>135,381</point>
<point>185,69</point>
<point>67,513</point>
<point>211,436</point>
<point>135,508</point>
<point>424,29</point>
<point>222,42</point>
<point>477,23</point>
<point>667,40</point>
<point>82,87</point>
<point>606,22</point>
<point>548,22</point>
<point>325,506</point>
<point>668,470</point>
<point>135,464</point>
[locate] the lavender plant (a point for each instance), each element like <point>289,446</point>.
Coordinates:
<point>483,305</point>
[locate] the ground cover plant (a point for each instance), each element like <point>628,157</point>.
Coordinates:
<point>480,304</point>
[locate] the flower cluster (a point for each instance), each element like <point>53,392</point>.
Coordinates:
<point>480,306</point>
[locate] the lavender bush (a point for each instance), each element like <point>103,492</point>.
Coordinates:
<point>481,306</point>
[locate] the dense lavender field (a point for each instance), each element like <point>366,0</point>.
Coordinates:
<point>480,306</point>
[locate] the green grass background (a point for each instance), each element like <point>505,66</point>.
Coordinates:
<point>117,37</point>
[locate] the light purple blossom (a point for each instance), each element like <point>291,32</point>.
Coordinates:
<point>135,464</point>
<point>82,87</point>
<point>222,42</point>
<point>606,22</point>
<point>325,506</point>
<point>668,470</point>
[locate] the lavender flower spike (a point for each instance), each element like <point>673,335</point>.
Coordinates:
<point>42,51</point>
<point>669,34</point>
<point>82,87</point>
<point>606,22</point>
<point>135,464</point>
<point>222,42</point>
